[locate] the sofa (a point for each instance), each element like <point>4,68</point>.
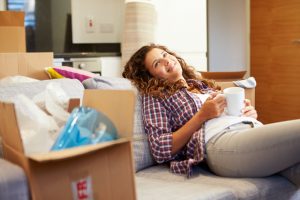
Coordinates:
<point>152,181</point>
<point>157,182</point>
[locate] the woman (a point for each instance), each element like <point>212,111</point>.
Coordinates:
<point>181,112</point>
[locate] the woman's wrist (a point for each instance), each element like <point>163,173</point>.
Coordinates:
<point>201,116</point>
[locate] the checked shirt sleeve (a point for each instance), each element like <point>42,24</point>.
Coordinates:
<point>158,129</point>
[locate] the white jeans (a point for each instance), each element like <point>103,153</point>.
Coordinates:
<point>255,152</point>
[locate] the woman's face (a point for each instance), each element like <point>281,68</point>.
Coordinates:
<point>163,65</point>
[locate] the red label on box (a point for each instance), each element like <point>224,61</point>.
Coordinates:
<point>82,189</point>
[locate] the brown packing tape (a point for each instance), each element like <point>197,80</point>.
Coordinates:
<point>12,18</point>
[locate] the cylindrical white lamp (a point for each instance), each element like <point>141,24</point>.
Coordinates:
<point>139,26</point>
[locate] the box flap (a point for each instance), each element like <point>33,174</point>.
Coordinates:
<point>117,105</point>
<point>9,129</point>
<point>34,64</point>
<point>25,64</point>
<point>234,75</point>
<point>8,64</point>
<point>72,152</point>
<point>12,39</point>
<point>11,18</point>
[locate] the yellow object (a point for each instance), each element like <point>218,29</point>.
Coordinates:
<point>52,73</point>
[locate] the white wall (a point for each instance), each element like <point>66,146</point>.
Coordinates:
<point>107,17</point>
<point>181,26</point>
<point>2,5</point>
<point>228,35</point>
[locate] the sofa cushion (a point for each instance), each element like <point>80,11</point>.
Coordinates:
<point>13,182</point>
<point>292,174</point>
<point>141,150</point>
<point>152,182</point>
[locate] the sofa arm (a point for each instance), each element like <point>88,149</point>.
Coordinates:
<point>13,182</point>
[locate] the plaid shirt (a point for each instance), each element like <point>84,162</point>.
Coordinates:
<point>162,117</point>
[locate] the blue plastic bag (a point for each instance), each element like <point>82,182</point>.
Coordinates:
<point>85,126</point>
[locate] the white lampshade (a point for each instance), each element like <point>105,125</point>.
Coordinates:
<point>139,27</point>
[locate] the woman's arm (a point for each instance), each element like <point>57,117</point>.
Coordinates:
<point>165,144</point>
<point>157,128</point>
<point>213,107</point>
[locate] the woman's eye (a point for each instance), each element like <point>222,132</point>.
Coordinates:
<point>155,64</point>
<point>165,54</point>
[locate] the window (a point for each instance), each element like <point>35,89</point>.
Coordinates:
<point>23,5</point>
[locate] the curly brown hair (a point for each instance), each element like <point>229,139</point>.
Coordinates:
<point>136,71</point>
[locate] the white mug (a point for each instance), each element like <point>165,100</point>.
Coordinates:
<point>235,97</point>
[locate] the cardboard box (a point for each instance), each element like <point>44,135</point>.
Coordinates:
<point>102,171</point>
<point>223,76</point>
<point>26,64</point>
<point>12,32</point>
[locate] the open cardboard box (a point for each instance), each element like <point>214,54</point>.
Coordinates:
<point>223,76</point>
<point>101,171</point>
<point>25,64</point>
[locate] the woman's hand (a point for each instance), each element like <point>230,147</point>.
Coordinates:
<point>249,110</point>
<point>213,107</point>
